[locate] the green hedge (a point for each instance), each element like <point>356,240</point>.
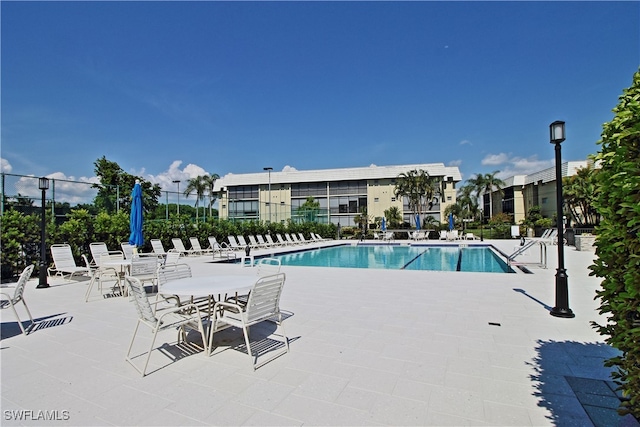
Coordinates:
<point>21,234</point>
<point>618,242</point>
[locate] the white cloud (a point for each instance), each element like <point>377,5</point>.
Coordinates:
<point>289,169</point>
<point>5,166</point>
<point>524,166</point>
<point>465,142</point>
<point>495,159</point>
<point>455,162</point>
<point>174,173</point>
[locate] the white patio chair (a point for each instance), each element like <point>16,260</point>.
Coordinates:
<point>173,257</point>
<point>282,241</point>
<point>157,247</point>
<point>96,249</point>
<point>64,263</point>
<point>263,304</point>
<point>162,319</point>
<point>264,267</point>
<point>196,248</point>
<point>271,242</point>
<point>222,249</point>
<point>128,250</point>
<point>242,242</point>
<point>302,239</point>
<point>105,273</point>
<point>12,295</point>
<point>144,269</point>
<point>233,243</point>
<point>178,245</point>
<point>262,241</point>
<point>254,242</point>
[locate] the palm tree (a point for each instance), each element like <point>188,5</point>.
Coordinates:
<point>393,216</point>
<point>210,180</point>
<point>487,183</point>
<point>466,201</point>
<point>199,186</point>
<point>418,187</point>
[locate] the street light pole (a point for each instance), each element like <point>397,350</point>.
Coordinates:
<point>177,181</point>
<point>43,184</point>
<point>269,169</point>
<point>481,221</point>
<point>561,308</point>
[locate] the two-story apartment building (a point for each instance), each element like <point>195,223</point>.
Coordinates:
<point>341,193</point>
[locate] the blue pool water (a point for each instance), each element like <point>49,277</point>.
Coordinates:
<point>438,258</point>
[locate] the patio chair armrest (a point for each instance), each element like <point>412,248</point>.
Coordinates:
<point>227,305</point>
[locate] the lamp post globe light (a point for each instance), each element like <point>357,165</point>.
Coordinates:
<point>269,169</point>
<point>561,309</point>
<point>43,184</point>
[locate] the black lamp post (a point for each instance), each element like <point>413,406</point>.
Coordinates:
<point>481,222</point>
<point>561,308</point>
<point>43,184</point>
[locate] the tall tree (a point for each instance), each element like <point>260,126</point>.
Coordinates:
<point>115,188</point>
<point>579,193</point>
<point>199,186</point>
<point>418,187</point>
<point>210,180</point>
<point>487,183</point>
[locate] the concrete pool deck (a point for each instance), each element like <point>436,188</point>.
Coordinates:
<point>368,347</point>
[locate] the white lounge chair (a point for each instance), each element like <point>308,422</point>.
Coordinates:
<point>170,318</point>
<point>388,236</point>
<point>64,263</point>
<point>444,235</point>
<point>471,236</point>
<point>179,246</point>
<point>233,243</point>
<point>157,247</point>
<point>262,241</point>
<point>128,250</point>
<point>263,304</point>
<point>282,241</point>
<point>271,242</point>
<point>219,248</point>
<point>254,242</point>
<point>96,249</point>
<point>196,248</point>
<point>12,295</point>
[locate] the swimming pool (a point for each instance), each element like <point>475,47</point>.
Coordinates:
<point>396,257</point>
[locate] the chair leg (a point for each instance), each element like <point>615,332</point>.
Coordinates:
<point>245,331</point>
<point>15,312</point>
<point>28,312</point>
<point>91,282</point>
<point>146,362</point>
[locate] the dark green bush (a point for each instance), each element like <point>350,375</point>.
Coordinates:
<point>618,242</point>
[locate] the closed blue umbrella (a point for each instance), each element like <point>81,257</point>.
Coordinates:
<point>135,217</point>
<point>383,226</point>
<point>418,222</point>
<point>450,221</point>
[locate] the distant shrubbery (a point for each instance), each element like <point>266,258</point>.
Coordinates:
<point>21,234</point>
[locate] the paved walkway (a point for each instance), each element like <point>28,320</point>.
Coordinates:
<point>368,347</point>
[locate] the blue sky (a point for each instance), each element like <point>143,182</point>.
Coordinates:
<point>171,90</point>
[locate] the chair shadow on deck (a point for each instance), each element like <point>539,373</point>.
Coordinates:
<point>11,329</point>
<point>262,343</point>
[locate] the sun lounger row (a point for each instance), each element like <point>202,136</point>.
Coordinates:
<point>258,241</point>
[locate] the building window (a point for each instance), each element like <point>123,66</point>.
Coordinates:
<point>544,200</point>
<point>376,200</point>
